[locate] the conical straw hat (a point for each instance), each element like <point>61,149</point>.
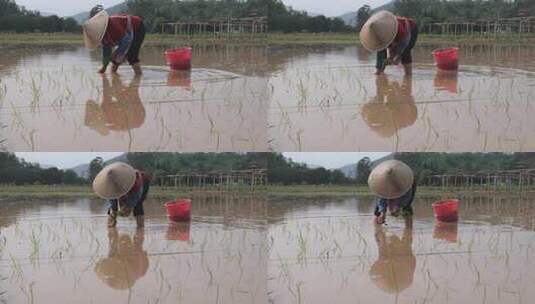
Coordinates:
<point>114,181</point>
<point>379,31</point>
<point>391,179</point>
<point>95,28</point>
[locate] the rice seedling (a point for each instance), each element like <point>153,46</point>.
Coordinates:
<point>28,292</point>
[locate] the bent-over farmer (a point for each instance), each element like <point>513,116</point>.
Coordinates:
<point>125,190</point>
<point>123,32</point>
<point>393,182</point>
<point>392,37</point>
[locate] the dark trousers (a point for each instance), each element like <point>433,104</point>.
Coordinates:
<point>133,53</point>
<point>406,56</point>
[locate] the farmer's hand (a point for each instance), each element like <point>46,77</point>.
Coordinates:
<point>381,219</point>
<point>102,70</point>
<point>114,68</point>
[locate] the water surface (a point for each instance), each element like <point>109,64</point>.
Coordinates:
<point>253,250</point>
<point>303,98</point>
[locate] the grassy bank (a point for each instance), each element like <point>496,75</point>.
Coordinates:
<point>67,39</point>
<point>304,191</point>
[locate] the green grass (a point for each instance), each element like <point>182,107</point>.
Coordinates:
<point>269,39</point>
<point>274,191</point>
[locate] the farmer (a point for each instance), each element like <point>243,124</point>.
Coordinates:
<point>121,108</point>
<point>394,269</point>
<point>126,261</point>
<point>393,107</point>
<point>392,37</point>
<point>122,31</point>
<point>125,189</point>
<point>393,182</point>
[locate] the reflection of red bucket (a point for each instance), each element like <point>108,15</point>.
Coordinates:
<point>178,232</point>
<point>446,232</point>
<point>179,210</point>
<point>446,81</point>
<point>179,59</point>
<point>179,79</point>
<point>446,211</point>
<point>447,59</point>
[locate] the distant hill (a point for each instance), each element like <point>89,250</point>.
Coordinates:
<point>116,9</point>
<point>83,169</point>
<point>351,17</point>
<point>351,169</point>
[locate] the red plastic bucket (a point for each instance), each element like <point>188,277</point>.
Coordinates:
<point>179,59</point>
<point>446,211</point>
<point>179,210</point>
<point>447,59</point>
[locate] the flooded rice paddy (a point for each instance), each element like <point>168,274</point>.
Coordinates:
<point>254,250</point>
<point>52,249</point>
<point>265,99</point>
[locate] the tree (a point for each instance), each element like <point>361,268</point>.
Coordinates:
<point>95,166</point>
<point>364,167</point>
<point>70,178</point>
<point>363,14</point>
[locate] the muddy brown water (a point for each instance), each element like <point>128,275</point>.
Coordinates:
<point>267,98</point>
<point>258,250</point>
<point>53,250</point>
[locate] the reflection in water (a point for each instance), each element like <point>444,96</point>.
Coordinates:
<point>446,231</point>
<point>179,79</point>
<point>121,108</point>
<point>393,107</point>
<point>178,231</point>
<point>393,272</point>
<point>363,54</point>
<point>446,81</point>
<point>126,263</point>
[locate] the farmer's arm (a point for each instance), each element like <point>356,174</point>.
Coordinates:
<point>395,50</point>
<point>120,53</point>
<point>380,210</point>
<point>106,57</point>
<point>380,64</point>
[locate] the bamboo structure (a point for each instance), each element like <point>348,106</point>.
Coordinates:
<point>235,180</point>
<point>521,180</point>
<point>521,26</point>
<point>222,28</point>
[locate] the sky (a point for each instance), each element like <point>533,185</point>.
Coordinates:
<point>70,7</point>
<point>72,159</point>
<point>64,160</point>
<point>332,160</point>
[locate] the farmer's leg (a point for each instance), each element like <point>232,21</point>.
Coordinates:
<point>406,57</point>
<point>133,52</point>
<point>112,213</point>
<point>380,64</point>
<point>139,213</point>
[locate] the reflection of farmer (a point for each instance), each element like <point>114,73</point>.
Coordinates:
<point>125,189</point>
<point>392,37</point>
<point>126,262</point>
<point>122,31</point>
<point>393,182</point>
<point>392,109</point>
<point>121,108</point>
<point>394,269</point>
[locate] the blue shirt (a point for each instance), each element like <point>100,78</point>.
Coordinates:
<point>404,201</point>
